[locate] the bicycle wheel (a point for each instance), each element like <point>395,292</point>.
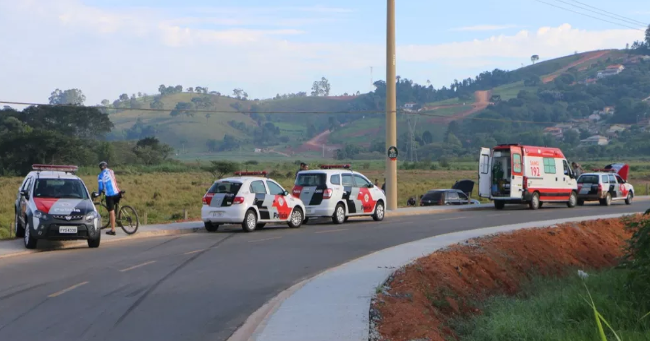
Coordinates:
<point>103,212</point>
<point>128,219</point>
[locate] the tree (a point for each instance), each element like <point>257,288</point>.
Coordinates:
<point>124,97</point>
<point>105,102</point>
<point>571,137</point>
<point>190,89</point>
<point>534,58</point>
<point>67,97</point>
<point>321,88</point>
<point>156,104</point>
<point>647,37</point>
<point>238,93</point>
<point>212,145</point>
<point>151,151</point>
<point>162,89</point>
<point>427,137</point>
<point>221,168</point>
<point>80,122</point>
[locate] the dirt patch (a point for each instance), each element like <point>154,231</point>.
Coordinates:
<point>481,101</point>
<point>420,300</point>
<point>587,57</point>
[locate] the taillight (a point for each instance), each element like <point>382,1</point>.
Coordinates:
<point>296,191</point>
<point>207,199</point>
<point>525,183</point>
<point>600,187</point>
<point>579,187</point>
<point>238,200</point>
<point>442,200</point>
<point>327,193</point>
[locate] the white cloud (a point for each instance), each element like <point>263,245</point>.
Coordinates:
<point>65,44</point>
<point>484,28</point>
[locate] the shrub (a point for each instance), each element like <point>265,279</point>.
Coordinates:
<point>637,255</point>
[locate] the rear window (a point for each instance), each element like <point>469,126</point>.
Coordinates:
<point>433,196</point>
<point>311,179</point>
<point>227,187</point>
<point>588,179</point>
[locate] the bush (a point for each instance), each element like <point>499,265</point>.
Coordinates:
<point>637,255</point>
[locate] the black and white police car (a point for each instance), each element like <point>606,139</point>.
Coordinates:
<point>252,200</point>
<point>338,192</point>
<point>53,203</point>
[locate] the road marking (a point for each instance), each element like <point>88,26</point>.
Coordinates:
<point>68,289</point>
<point>191,252</point>
<point>263,240</point>
<point>137,266</point>
<point>452,218</point>
<point>329,231</point>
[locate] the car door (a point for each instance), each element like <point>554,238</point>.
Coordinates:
<point>622,184</point>
<point>517,177</point>
<point>484,173</point>
<point>349,192</point>
<point>569,179</point>
<point>281,206</point>
<point>365,198</point>
<point>258,188</point>
<point>23,201</point>
<point>451,198</point>
<point>463,199</point>
<point>614,187</point>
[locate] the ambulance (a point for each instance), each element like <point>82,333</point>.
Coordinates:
<point>518,174</point>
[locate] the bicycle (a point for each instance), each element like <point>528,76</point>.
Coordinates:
<point>124,214</point>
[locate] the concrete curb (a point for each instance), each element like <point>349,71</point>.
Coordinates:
<point>335,304</point>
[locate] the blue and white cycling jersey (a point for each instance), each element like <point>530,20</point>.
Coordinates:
<point>107,183</point>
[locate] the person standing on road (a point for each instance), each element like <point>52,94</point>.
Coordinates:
<point>303,167</point>
<point>383,187</point>
<point>577,169</point>
<point>108,185</point>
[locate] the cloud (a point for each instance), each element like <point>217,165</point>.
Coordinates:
<point>66,44</point>
<point>484,28</point>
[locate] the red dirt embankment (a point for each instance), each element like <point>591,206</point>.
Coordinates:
<point>587,57</point>
<point>424,296</point>
<point>481,101</point>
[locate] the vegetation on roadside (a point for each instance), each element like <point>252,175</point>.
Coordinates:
<point>559,309</point>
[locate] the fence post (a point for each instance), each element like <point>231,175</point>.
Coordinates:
<point>185,213</point>
<point>144,218</point>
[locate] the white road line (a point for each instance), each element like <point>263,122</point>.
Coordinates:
<point>137,266</point>
<point>263,240</point>
<point>192,252</point>
<point>68,289</point>
<point>452,218</point>
<point>329,231</point>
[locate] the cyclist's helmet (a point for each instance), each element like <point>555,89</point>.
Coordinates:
<point>103,165</point>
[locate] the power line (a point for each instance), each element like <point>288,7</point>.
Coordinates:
<point>633,21</point>
<point>590,16</point>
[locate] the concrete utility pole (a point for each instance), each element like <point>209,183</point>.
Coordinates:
<point>391,107</point>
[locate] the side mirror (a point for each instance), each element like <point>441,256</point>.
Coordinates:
<point>285,193</point>
<point>371,186</point>
<point>25,194</point>
<point>95,195</point>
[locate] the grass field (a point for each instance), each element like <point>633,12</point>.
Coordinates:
<point>555,309</point>
<point>511,90</point>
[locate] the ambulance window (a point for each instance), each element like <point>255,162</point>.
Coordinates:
<point>335,179</point>
<point>516,160</point>
<point>549,165</point>
<point>485,163</point>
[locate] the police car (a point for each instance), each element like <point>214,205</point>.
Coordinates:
<point>606,185</point>
<point>338,192</point>
<point>53,203</point>
<point>252,200</point>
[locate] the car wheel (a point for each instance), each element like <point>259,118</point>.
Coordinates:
<point>339,214</point>
<point>296,218</point>
<point>250,221</point>
<point>305,221</point>
<point>607,201</point>
<point>534,202</point>
<point>573,200</point>
<point>19,230</point>
<point>211,227</point>
<point>30,242</point>
<point>581,202</point>
<point>499,204</point>
<point>94,242</point>
<point>379,212</point>
<point>630,197</point>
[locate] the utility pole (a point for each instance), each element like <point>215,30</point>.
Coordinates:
<point>391,107</point>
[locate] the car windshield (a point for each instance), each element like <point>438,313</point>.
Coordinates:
<point>311,179</point>
<point>588,179</point>
<point>60,189</point>
<point>227,187</point>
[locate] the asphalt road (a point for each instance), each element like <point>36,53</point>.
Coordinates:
<point>203,286</point>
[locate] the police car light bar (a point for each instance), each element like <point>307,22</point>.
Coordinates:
<point>55,168</point>
<point>251,173</point>
<point>334,166</point>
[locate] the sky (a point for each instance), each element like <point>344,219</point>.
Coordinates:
<point>110,47</point>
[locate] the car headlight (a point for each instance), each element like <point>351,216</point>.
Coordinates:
<point>40,215</point>
<point>91,216</point>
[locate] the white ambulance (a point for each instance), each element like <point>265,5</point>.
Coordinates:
<point>515,174</point>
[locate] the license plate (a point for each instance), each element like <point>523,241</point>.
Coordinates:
<point>217,214</point>
<point>67,229</point>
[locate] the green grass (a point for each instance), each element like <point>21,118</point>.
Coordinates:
<point>558,309</point>
<point>511,90</point>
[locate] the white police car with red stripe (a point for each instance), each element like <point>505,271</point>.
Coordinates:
<point>252,200</point>
<point>338,192</point>
<point>53,203</point>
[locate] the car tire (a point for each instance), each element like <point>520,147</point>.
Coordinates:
<point>573,200</point>
<point>380,212</point>
<point>19,230</point>
<point>250,221</point>
<point>296,219</point>
<point>211,227</point>
<point>304,222</point>
<point>534,202</point>
<point>499,204</point>
<point>260,226</point>
<point>339,214</point>
<point>581,202</point>
<point>94,242</point>
<point>607,201</point>
<point>630,197</point>
<point>30,242</point>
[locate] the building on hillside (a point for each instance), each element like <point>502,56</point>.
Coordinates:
<point>594,117</point>
<point>595,140</point>
<point>645,58</point>
<point>608,110</point>
<point>617,128</point>
<point>565,126</point>
<point>611,70</point>
<point>554,131</point>
<point>410,105</point>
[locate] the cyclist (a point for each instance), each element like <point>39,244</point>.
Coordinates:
<point>108,185</point>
